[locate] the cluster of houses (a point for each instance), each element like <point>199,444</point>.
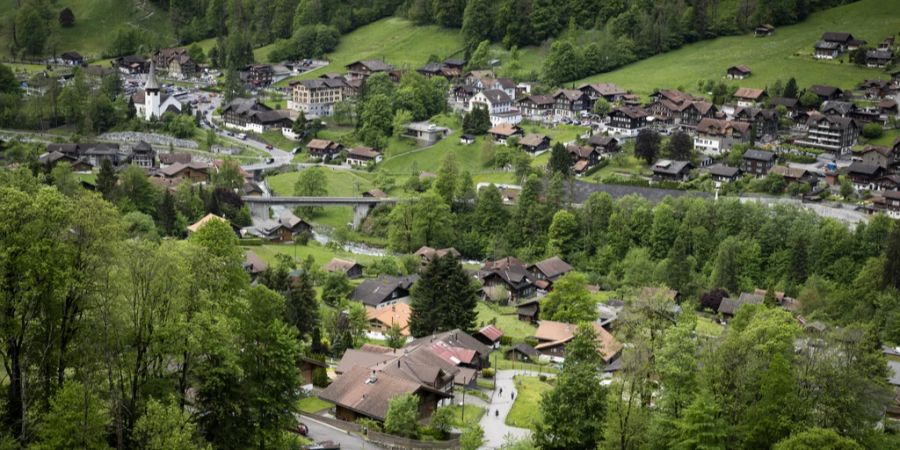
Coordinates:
<point>833,45</point>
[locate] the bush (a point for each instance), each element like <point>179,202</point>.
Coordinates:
<point>542,377</point>
<point>303,237</point>
<point>505,340</point>
<point>250,242</point>
<point>369,424</point>
<point>872,131</point>
<point>320,378</point>
<point>487,373</point>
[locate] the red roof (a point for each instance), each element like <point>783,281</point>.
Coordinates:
<point>491,332</point>
<point>453,355</point>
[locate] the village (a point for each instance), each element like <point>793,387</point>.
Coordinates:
<point>461,258</point>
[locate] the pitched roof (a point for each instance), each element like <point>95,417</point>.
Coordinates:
<point>731,306</point>
<point>835,36</point>
<point>496,96</point>
<point>454,338</point>
<point>505,129</point>
<point>634,112</point>
<point>366,393</point>
<point>788,103</point>
<point>759,155</point>
<point>825,91</point>
<point>740,68</point>
<point>374,292</point>
<point>206,219</point>
<point>604,89</point>
<point>340,265</point>
<point>721,170</point>
<point>373,65</point>
<point>363,152</point>
<point>795,173</point>
<point>560,333</point>
<point>533,140</point>
<point>863,168</point>
<point>491,332</point>
<point>569,94</point>
<point>319,144</point>
<point>363,358</point>
<point>552,267</point>
<point>670,167</point>
<point>253,263</point>
<point>600,140</point>
<point>538,99</point>
<point>749,93</point>
<point>397,314</point>
<point>525,349</point>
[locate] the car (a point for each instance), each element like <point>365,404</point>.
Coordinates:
<point>269,147</point>
<point>270,160</point>
<point>301,429</point>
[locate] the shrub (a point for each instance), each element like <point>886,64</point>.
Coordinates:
<point>320,378</point>
<point>872,131</point>
<point>505,340</point>
<point>251,242</point>
<point>542,377</point>
<point>487,373</point>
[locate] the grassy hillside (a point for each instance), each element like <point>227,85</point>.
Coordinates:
<point>787,53</point>
<point>96,22</point>
<point>397,41</point>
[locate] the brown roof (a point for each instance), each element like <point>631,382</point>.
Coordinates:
<point>532,139</point>
<point>365,152</point>
<point>740,68</point>
<point>377,193</point>
<point>491,332</point>
<point>559,333</point>
<point>552,267</point>
<point>200,223</point>
<point>319,144</point>
<point>397,314</point>
<point>749,93</point>
<point>366,392</point>
<point>884,151</point>
<point>580,150</point>
<point>359,358</point>
<point>339,265</point>
<point>505,129</point>
<point>254,263</point>
<point>789,172</point>
<point>429,253</point>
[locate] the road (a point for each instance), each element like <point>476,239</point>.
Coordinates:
<point>319,431</point>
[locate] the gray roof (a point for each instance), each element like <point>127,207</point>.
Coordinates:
<point>497,96</point>
<point>381,289</point>
<point>669,167</point>
<point>731,306</point>
<point>759,155</point>
<point>836,107</point>
<point>525,349</point>
<point>152,82</point>
<point>455,338</point>
<point>863,168</point>
<point>323,83</point>
<point>721,170</point>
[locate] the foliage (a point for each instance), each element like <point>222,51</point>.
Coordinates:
<point>472,438</point>
<point>443,299</point>
<point>872,131</point>
<point>646,145</point>
<point>477,121</point>
<point>817,439</point>
<point>165,426</point>
<point>77,419</point>
<point>569,301</point>
<point>402,416</point>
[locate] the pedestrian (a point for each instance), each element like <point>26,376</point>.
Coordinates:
<point>496,413</point>
<point>501,392</point>
<point>512,395</point>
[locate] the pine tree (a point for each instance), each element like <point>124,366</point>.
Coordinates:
<point>702,427</point>
<point>107,179</point>
<point>302,309</point>
<point>892,260</point>
<point>443,299</point>
<point>790,89</point>
<point>646,146</point>
<point>166,214</point>
<point>769,419</point>
<point>560,160</point>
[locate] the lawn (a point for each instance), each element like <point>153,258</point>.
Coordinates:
<point>312,405</point>
<point>506,364</point>
<point>472,415</point>
<point>96,22</point>
<point>341,183</point>
<point>787,53</point>
<point>707,327</point>
<point>320,253</point>
<point>394,40</point>
<point>506,320</point>
<point>525,412</point>
<point>886,139</point>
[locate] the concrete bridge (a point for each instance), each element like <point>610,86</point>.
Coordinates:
<point>259,206</point>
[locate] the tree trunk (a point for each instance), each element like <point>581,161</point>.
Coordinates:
<point>15,410</point>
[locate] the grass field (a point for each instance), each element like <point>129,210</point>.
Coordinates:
<point>397,41</point>
<point>312,405</point>
<point>320,253</point>
<point>506,321</point>
<point>472,415</point>
<point>708,328</point>
<point>341,183</point>
<point>787,53</point>
<point>96,22</point>
<point>525,412</point>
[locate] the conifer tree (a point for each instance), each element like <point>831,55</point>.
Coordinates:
<point>443,299</point>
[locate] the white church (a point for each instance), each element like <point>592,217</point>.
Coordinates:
<point>151,102</point>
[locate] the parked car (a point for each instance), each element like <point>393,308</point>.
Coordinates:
<point>301,429</point>
<point>269,147</point>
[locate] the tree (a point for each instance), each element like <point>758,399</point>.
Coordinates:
<point>165,426</point>
<point>809,99</point>
<point>479,57</point>
<point>64,179</point>
<point>445,183</point>
<point>872,131</point>
<point>680,146</point>
<point>574,409</point>
<point>817,439</point>
<point>560,160</point>
<point>563,63</point>
<point>394,337</point>
<point>477,121</point>
<point>78,418</point>
<point>478,22</point>
<point>137,194</point>
<point>702,427</point>
<point>228,176</point>
<point>301,305</point>
<point>790,89</point>
<point>31,29</point>
<point>442,420</point>
<point>402,416</point>
<point>335,288</point>
<point>602,107</point>
<point>443,299</point>
<point>8,83</point>
<point>472,438</point>
<point>66,18</point>
<point>563,234</point>
<point>570,301</point>
<point>431,221</point>
<point>646,146</point>
<point>311,182</point>
<point>847,189</point>
<point>769,419</point>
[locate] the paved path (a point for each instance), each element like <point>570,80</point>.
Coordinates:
<point>320,431</point>
<point>496,431</point>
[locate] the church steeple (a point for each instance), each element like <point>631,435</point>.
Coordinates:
<point>152,83</point>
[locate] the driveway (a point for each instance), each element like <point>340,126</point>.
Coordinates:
<point>319,431</point>
<point>496,431</point>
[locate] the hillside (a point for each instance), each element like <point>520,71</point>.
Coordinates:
<point>397,41</point>
<point>96,23</point>
<point>786,54</point>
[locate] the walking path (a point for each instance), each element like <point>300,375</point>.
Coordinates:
<point>496,431</point>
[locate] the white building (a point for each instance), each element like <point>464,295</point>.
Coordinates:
<point>499,105</point>
<point>151,103</point>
